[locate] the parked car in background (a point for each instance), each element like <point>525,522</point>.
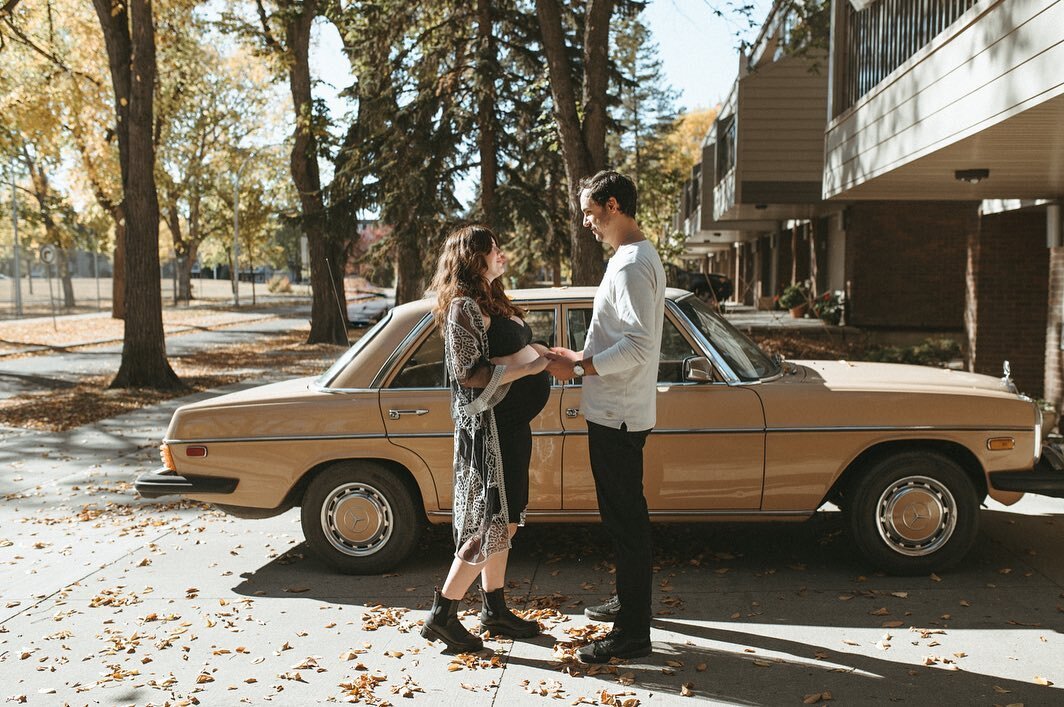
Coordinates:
<point>710,287</point>
<point>365,449</point>
<point>367,308</point>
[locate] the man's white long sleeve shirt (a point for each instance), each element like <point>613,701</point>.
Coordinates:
<point>624,339</point>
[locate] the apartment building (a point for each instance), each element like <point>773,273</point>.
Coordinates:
<point>960,105</point>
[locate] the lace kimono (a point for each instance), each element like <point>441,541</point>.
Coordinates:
<point>480,513</point>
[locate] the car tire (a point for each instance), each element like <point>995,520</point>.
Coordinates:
<point>913,513</point>
<point>360,518</point>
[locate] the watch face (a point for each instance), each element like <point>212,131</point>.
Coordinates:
<point>578,370</point>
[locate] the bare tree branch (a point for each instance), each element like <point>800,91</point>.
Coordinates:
<point>9,7</point>
<point>26,40</point>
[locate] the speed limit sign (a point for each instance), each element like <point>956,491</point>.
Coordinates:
<point>48,253</point>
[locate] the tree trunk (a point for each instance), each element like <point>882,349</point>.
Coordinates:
<point>583,141</point>
<point>486,71</point>
<point>129,34</point>
<point>118,269</point>
<point>184,271</point>
<point>328,318</point>
<point>65,278</point>
<point>408,285</point>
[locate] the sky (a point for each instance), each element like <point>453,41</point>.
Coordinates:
<point>698,50</point>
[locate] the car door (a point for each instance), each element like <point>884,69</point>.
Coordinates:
<point>415,403</point>
<point>707,449</point>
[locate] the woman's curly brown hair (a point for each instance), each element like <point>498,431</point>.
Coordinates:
<point>460,273</point>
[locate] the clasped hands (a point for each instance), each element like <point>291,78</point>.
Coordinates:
<point>560,362</point>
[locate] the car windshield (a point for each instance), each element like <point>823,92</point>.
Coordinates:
<point>341,363</point>
<point>746,359</point>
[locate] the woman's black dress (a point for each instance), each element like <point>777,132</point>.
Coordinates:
<point>522,403</point>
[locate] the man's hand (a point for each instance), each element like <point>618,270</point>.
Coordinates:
<point>563,353</point>
<point>559,366</point>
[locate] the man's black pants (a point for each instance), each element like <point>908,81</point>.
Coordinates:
<point>617,464</point>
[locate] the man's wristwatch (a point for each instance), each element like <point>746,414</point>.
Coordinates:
<point>578,370</point>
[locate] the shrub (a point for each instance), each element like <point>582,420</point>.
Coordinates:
<point>279,283</point>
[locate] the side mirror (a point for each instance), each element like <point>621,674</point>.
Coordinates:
<point>697,369</point>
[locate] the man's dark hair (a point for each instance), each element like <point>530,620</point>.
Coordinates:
<point>608,183</point>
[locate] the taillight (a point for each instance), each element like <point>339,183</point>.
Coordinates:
<point>167,456</point>
<point>196,451</point>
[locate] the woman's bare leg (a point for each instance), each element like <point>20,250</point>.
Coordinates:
<point>493,571</point>
<point>459,578</point>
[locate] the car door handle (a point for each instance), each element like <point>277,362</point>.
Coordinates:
<point>396,414</point>
<point>572,412</point>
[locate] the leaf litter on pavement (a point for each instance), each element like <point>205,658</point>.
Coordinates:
<point>73,404</point>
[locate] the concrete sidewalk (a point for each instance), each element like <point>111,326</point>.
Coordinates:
<point>109,599</point>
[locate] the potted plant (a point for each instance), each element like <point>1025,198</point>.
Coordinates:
<point>828,307</point>
<point>795,298</point>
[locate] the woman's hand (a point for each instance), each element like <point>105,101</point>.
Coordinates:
<point>537,366</point>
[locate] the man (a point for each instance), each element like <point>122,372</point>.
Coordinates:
<point>619,371</point>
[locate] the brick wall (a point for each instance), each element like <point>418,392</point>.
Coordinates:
<point>1008,297</point>
<point>905,262</point>
<point>1054,371</point>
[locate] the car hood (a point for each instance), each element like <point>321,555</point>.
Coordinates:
<point>846,394</point>
<point>895,377</point>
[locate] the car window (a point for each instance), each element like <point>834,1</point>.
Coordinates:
<point>674,346</point>
<point>578,320</point>
<point>424,369</point>
<point>341,363</point>
<point>674,349</point>
<point>542,323</point>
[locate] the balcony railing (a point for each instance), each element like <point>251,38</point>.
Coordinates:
<point>872,42</point>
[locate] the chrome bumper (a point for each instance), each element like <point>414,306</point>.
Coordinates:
<point>1046,479</point>
<point>164,482</point>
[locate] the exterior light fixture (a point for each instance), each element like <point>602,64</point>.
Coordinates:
<point>972,176</point>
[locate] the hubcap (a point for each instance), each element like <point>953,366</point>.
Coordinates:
<point>916,515</point>
<point>357,519</point>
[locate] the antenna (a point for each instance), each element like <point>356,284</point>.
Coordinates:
<point>336,296</point>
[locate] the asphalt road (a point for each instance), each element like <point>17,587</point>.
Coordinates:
<point>110,599</point>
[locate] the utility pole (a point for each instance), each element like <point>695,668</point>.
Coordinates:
<point>236,229</point>
<point>14,225</point>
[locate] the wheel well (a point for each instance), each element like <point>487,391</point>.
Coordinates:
<point>957,452</point>
<point>295,494</point>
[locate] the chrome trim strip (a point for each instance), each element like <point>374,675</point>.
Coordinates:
<point>592,514</point>
<point>449,435</point>
<point>306,438</point>
<point>899,428</point>
<point>583,432</point>
<point>316,387</point>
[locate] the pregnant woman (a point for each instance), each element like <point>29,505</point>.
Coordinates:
<point>498,385</point>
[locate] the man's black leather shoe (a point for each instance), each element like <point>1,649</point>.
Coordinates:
<point>615,645</point>
<point>604,612</point>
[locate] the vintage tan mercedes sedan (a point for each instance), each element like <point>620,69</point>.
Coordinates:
<point>365,449</point>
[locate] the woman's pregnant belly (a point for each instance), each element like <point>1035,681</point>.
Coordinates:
<point>525,355</point>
